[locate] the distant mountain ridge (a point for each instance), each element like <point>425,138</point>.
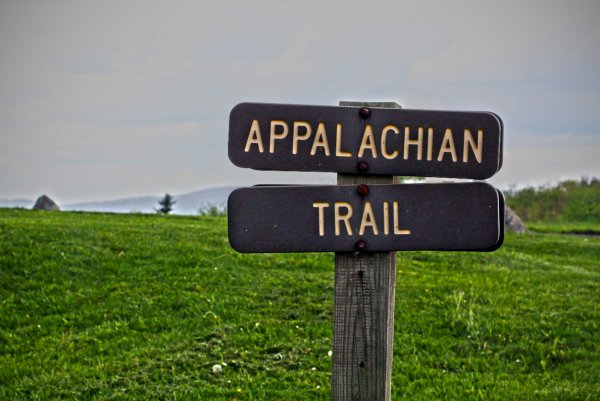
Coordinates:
<point>186,204</point>
<point>26,203</point>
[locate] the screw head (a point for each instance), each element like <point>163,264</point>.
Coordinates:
<point>363,190</point>
<point>360,245</point>
<point>364,112</point>
<point>362,166</point>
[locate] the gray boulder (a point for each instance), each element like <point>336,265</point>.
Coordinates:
<point>512,222</point>
<point>45,203</point>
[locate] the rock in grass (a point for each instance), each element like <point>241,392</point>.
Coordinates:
<point>512,222</point>
<point>45,203</point>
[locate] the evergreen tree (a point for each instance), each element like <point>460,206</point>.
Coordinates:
<point>166,204</point>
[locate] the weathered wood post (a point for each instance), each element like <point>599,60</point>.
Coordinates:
<point>363,310</point>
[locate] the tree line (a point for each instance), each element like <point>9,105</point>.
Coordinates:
<point>168,201</point>
<point>569,200</point>
<point>566,201</point>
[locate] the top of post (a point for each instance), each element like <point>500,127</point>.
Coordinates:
<point>383,105</point>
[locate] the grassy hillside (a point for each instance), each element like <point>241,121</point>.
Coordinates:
<point>107,307</point>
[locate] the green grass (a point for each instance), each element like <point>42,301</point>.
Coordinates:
<point>113,307</point>
<point>581,228</point>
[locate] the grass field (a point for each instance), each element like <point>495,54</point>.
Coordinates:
<point>141,307</point>
<point>578,228</point>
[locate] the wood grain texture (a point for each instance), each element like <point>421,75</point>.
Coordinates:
<point>363,315</point>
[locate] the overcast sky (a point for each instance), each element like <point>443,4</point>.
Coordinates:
<point>102,100</point>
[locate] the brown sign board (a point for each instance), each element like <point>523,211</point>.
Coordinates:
<point>356,140</point>
<point>347,218</point>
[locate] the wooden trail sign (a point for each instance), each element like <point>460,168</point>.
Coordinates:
<point>346,218</point>
<point>373,140</point>
<point>366,217</point>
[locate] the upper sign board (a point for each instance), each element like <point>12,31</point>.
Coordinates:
<point>345,218</point>
<point>356,140</point>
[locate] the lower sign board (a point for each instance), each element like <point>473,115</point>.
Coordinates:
<point>347,218</point>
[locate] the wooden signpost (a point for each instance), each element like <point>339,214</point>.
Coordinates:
<point>367,216</point>
<point>364,296</point>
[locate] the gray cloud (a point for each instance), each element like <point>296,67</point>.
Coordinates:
<point>101,100</point>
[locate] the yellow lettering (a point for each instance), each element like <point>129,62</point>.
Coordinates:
<point>418,142</point>
<point>321,206</point>
<point>386,218</point>
<point>384,133</point>
<point>320,141</point>
<point>397,230</point>
<point>254,137</point>
<point>447,146</point>
<point>338,143</point>
<point>296,135</point>
<point>368,219</point>
<point>275,135</point>
<point>338,217</point>
<point>368,142</point>
<point>429,143</point>
<point>469,141</point>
